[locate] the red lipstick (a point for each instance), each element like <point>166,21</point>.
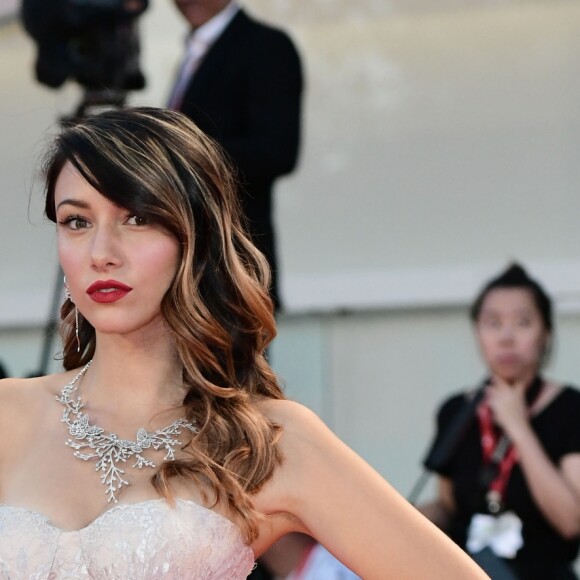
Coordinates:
<point>106,291</point>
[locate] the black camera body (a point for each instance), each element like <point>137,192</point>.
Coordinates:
<point>93,42</point>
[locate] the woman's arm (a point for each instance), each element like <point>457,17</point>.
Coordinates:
<point>348,507</point>
<point>555,489</point>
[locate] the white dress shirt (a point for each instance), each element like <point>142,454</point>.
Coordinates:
<point>197,44</point>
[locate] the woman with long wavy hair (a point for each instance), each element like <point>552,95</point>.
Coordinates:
<point>165,323</point>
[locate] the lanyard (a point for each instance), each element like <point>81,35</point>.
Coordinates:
<point>499,455</point>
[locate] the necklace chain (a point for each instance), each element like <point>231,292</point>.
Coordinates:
<point>91,441</point>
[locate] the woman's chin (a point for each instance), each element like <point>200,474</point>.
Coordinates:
<point>512,376</point>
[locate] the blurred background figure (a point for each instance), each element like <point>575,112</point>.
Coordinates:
<point>509,477</point>
<point>3,371</point>
<point>300,557</point>
<point>241,83</point>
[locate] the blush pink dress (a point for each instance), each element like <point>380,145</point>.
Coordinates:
<point>141,541</point>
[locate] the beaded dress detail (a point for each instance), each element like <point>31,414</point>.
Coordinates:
<point>141,541</point>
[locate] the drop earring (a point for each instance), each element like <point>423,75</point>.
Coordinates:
<point>67,296</point>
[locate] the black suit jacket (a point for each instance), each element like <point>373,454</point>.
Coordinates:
<point>246,94</point>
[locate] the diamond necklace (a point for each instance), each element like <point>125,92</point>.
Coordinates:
<point>108,447</point>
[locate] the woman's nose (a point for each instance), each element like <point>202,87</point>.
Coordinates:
<point>506,333</point>
<point>105,248</point>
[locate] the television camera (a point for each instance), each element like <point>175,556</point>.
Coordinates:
<point>93,42</point>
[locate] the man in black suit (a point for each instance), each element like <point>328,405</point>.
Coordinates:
<point>241,83</point>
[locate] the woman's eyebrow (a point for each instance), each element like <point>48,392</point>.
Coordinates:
<point>74,202</point>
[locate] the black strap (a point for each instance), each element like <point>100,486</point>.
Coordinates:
<point>445,445</point>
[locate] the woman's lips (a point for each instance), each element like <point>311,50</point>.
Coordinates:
<point>508,359</point>
<point>105,291</point>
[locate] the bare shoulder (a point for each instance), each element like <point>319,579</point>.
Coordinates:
<point>306,445</point>
<point>306,442</point>
<point>300,425</point>
<point>18,392</point>
<point>282,411</point>
<point>22,400</point>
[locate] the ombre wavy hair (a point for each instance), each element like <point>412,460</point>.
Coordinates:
<point>158,164</point>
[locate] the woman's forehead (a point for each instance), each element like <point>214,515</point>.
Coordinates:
<point>509,299</point>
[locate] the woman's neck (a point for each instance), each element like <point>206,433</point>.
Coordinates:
<point>134,373</point>
<point>526,378</point>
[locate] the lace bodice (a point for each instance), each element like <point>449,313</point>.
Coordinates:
<point>140,541</point>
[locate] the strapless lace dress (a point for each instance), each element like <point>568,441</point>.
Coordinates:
<point>140,541</point>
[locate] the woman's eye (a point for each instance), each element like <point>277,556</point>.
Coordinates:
<point>136,220</point>
<point>74,222</point>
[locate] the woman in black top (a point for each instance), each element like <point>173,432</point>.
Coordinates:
<point>510,486</point>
